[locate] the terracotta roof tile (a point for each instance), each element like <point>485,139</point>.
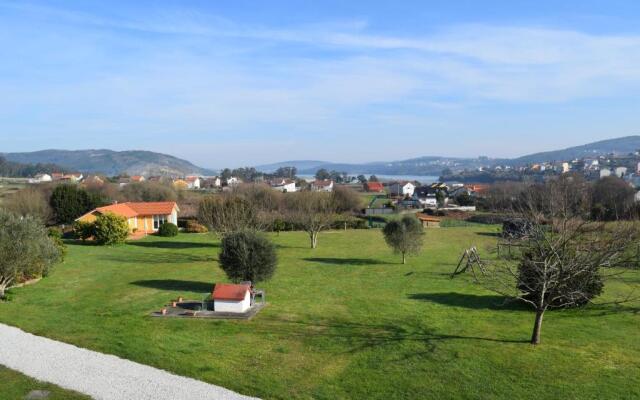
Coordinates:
<point>228,291</point>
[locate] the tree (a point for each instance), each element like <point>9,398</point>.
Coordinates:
<point>346,199</point>
<point>312,211</point>
<point>362,179</point>
<point>440,198</point>
<point>111,229</point>
<point>26,251</point>
<point>148,191</point>
<point>404,236</point>
<point>225,174</point>
<point>322,174</point>
<point>278,225</point>
<point>561,265</point>
<point>464,199</point>
<point>286,172</point>
<point>612,199</point>
<point>69,202</point>
<point>247,256</point>
<point>29,201</point>
<point>228,213</point>
<point>373,178</point>
<point>168,230</point>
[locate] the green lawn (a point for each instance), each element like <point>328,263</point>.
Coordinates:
<point>14,385</point>
<point>344,321</point>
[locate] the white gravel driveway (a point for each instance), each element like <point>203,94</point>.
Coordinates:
<point>98,375</point>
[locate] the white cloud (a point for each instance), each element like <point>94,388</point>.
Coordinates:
<point>206,77</point>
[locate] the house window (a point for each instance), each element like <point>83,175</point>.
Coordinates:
<point>158,220</point>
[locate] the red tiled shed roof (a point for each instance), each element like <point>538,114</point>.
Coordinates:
<point>229,291</point>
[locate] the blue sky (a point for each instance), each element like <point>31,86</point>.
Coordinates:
<point>233,83</point>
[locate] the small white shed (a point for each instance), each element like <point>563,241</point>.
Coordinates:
<point>232,298</point>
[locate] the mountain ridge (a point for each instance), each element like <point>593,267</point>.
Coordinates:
<point>110,162</point>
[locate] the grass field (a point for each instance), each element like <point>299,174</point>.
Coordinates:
<point>344,321</point>
<point>14,385</point>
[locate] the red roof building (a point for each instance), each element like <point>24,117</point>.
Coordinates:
<point>374,187</point>
<point>231,298</point>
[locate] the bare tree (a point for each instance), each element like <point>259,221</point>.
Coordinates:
<point>228,213</point>
<point>30,202</point>
<point>563,265</point>
<point>311,211</point>
<point>564,259</point>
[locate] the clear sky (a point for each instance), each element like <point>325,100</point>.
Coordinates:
<point>232,83</point>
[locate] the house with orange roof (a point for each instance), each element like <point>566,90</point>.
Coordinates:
<point>137,178</point>
<point>377,187</point>
<point>142,217</point>
<point>228,297</point>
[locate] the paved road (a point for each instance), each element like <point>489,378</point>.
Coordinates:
<point>101,376</point>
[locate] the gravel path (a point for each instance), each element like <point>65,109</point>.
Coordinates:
<point>98,375</point>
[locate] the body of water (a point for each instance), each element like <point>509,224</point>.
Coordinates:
<point>425,179</point>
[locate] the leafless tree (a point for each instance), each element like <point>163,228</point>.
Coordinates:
<point>564,258</point>
<point>30,202</point>
<point>228,213</point>
<point>312,211</point>
<point>564,264</point>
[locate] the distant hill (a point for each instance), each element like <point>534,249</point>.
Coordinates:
<point>623,145</point>
<point>434,165</point>
<point>111,162</point>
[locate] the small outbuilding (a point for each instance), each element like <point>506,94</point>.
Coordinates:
<point>232,298</point>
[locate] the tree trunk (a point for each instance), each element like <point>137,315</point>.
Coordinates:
<point>537,326</point>
<point>404,258</point>
<point>2,289</point>
<point>314,240</point>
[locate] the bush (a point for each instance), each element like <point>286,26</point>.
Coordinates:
<point>194,227</point>
<point>168,230</point>
<point>111,229</point>
<point>247,256</point>
<point>84,230</point>
<point>55,235</point>
<point>490,219</point>
<point>26,251</point>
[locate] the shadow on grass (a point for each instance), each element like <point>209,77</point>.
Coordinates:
<point>344,261</point>
<point>157,258</point>
<point>172,245</point>
<point>472,301</point>
<point>175,285</point>
<point>358,337</point>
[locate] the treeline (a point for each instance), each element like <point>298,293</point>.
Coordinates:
<point>258,207</point>
<point>62,204</point>
<point>608,199</point>
<point>13,169</point>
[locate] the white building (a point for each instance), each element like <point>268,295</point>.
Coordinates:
<point>605,172</point>
<point>402,188</point>
<point>41,178</point>
<point>621,171</point>
<point>193,182</point>
<point>231,298</point>
<point>283,185</point>
<point>325,185</point>
<point>565,167</point>
<point>233,181</point>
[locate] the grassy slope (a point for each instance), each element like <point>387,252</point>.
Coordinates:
<point>344,321</point>
<point>14,385</point>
